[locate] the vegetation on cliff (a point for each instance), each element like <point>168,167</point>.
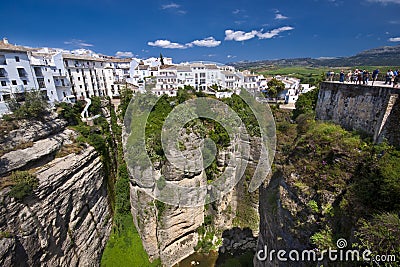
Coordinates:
<point>32,105</point>
<point>23,183</point>
<point>345,186</point>
<point>124,247</point>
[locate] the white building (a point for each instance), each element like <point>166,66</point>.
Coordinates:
<point>167,79</point>
<point>49,76</point>
<point>90,76</point>
<point>16,74</point>
<point>200,76</point>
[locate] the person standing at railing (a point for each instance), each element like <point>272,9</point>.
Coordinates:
<point>396,80</point>
<point>341,76</point>
<point>393,77</point>
<point>354,76</point>
<point>375,75</point>
<point>365,77</point>
<point>359,77</point>
<point>349,76</point>
<point>389,75</point>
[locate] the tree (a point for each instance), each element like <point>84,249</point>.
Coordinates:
<point>126,96</point>
<point>275,87</point>
<point>306,103</point>
<point>161,59</point>
<point>34,106</point>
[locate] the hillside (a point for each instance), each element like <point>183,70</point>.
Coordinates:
<point>381,56</point>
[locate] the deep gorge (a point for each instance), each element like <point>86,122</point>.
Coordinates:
<point>327,183</point>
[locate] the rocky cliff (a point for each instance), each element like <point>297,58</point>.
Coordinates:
<point>172,233</point>
<point>66,220</point>
<point>327,185</point>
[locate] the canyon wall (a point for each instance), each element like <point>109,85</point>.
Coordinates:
<point>66,221</point>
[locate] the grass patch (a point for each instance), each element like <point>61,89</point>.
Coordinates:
<point>74,148</point>
<point>23,184</point>
<point>124,248</point>
<point>18,147</point>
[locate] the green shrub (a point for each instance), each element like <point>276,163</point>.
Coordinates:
<point>161,207</point>
<point>306,103</point>
<point>323,239</point>
<point>71,112</point>
<point>34,106</point>
<point>380,235</point>
<point>313,206</point>
<point>24,184</point>
<point>95,106</point>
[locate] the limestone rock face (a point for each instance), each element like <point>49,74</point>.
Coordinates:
<point>279,208</point>
<point>171,232</point>
<point>66,221</point>
<point>41,149</point>
<point>32,131</point>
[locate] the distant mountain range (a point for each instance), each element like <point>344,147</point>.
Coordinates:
<point>381,56</point>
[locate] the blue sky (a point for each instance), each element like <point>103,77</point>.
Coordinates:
<point>213,30</point>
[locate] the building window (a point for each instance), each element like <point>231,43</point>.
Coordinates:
<point>38,71</point>
<point>3,60</point>
<point>3,83</point>
<point>77,71</point>
<point>41,83</point>
<point>14,82</point>
<point>2,73</point>
<point>80,86</point>
<point>79,78</point>
<point>16,58</point>
<point>21,72</point>
<point>25,82</point>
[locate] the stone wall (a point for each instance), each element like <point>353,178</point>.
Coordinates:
<point>370,110</point>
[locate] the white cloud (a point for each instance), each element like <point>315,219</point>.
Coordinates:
<point>172,5</point>
<point>273,33</point>
<point>237,11</point>
<point>238,36</point>
<point>385,1</point>
<point>280,16</point>
<point>124,54</point>
<point>167,44</point>
<point>207,42</point>
<point>77,42</point>
<point>394,39</point>
<point>230,56</point>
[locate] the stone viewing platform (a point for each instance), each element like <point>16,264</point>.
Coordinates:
<point>373,110</point>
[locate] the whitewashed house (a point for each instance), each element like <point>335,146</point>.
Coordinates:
<point>16,74</point>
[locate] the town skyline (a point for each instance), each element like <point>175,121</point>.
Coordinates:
<point>215,31</point>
